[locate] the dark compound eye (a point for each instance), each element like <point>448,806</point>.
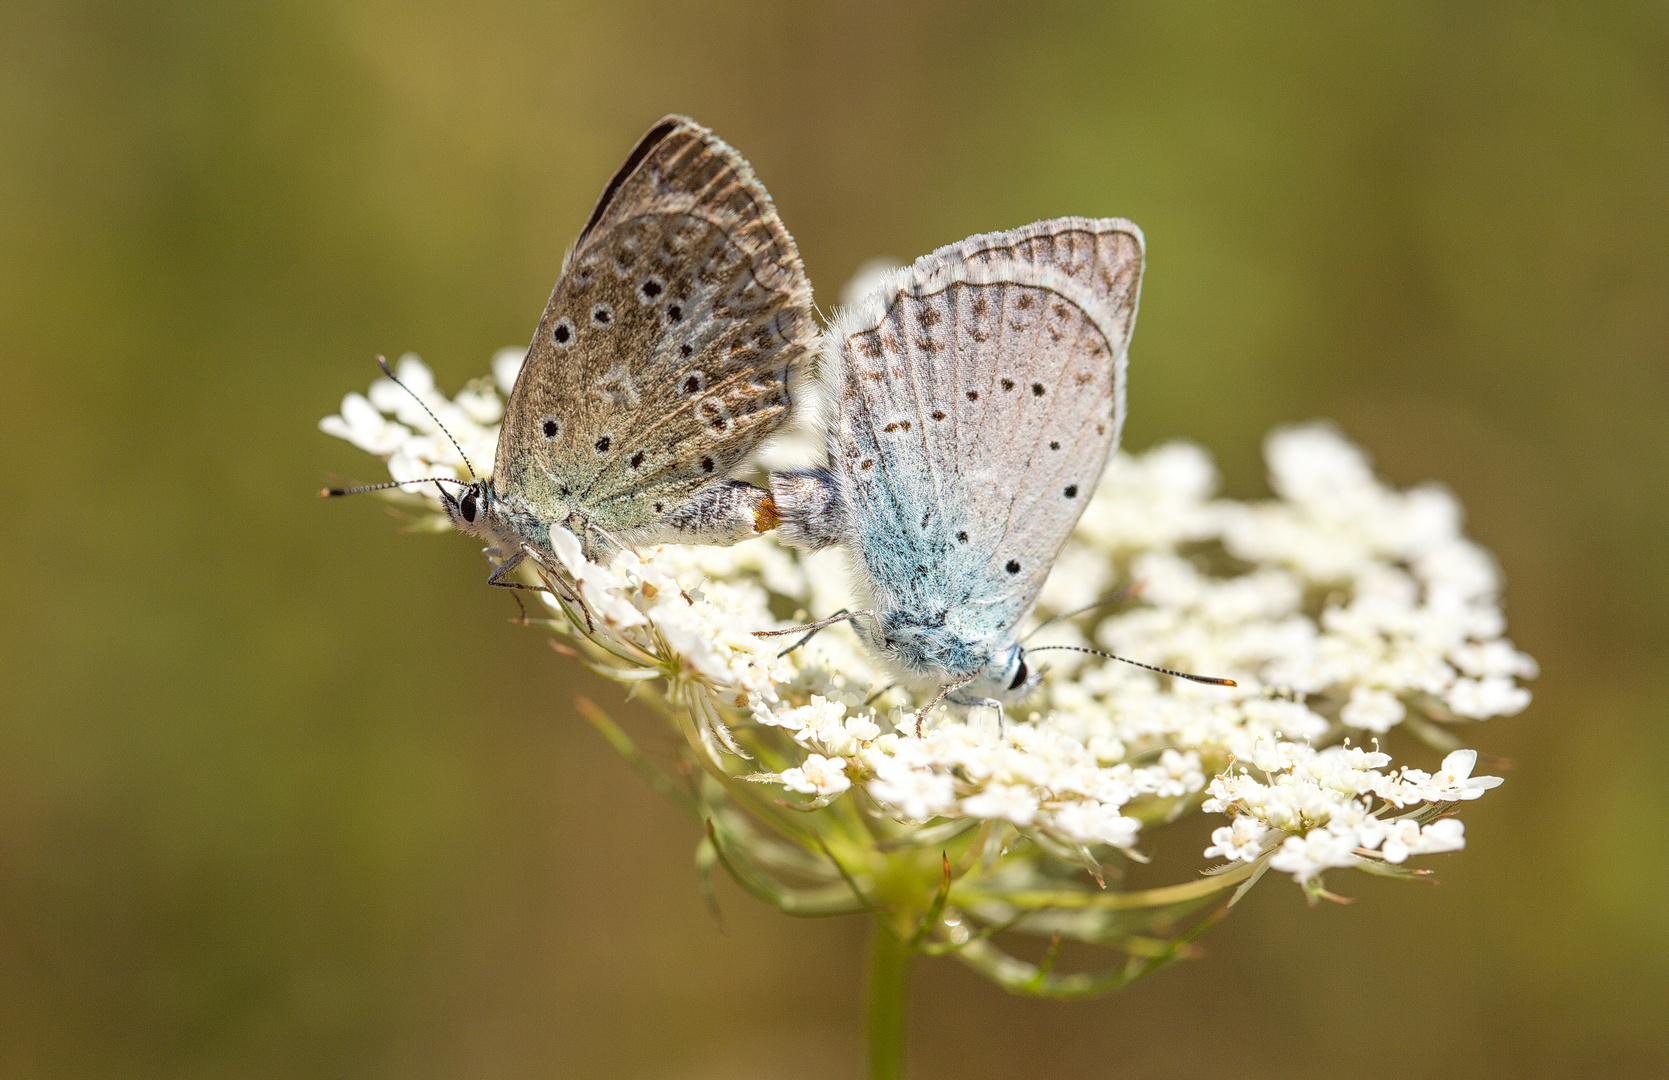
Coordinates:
<point>466,507</point>
<point>562,333</point>
<point>1013,567</point>
<point>1019,676</point>
<point>550,427</point>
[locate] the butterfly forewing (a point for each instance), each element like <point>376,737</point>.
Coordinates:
<point>976,412</point>
<point>662,359</point>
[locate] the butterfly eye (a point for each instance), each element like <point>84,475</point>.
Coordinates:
<point>1019,676</point>
<point>466,507</point>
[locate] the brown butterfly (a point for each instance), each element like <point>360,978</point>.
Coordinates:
<point>662,361</point>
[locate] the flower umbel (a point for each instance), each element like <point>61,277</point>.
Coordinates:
<point>1354,618</point>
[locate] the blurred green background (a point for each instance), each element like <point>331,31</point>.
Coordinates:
<point>283,794</point>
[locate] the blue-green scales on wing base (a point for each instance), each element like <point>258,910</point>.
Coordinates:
<point>974,400</point>
<point>660,364</point>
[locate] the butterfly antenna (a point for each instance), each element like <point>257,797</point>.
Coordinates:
<point>1123,594</point>
<point>1207,679</point>
<point>330,493</point>
<point>386,370</point>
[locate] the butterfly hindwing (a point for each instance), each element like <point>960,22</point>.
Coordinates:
<point>1107,254</point>
<point>662,358</point>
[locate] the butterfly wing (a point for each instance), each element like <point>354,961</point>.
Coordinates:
<point>1106,254</point>
<point>977,401</point>
<point>663,357</point>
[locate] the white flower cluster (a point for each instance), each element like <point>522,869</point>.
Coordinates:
<point>1340,607</point>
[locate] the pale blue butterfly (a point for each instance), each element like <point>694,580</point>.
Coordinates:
<point>973,401</point>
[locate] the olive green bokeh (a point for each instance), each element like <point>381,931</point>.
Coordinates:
<point>283,794</point>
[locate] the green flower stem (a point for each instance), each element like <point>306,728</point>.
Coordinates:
<point>889,984</point>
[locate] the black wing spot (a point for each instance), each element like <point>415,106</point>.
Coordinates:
<point>602,445</point>
<point>1053,445</point>
<point>706,464</point>
<point>686,349</point>
<point>961,538</point>
<point>602,315</point>
<point>868,464</point>
<point>650,289</point>
<point>973,395</point>
<point>1071,491</point>
<point>1008,384</point>
<point>675,313</point>
<point>938,414</point>
<point>551,427</point>
<point>637,460</point>
<point>562,333</point>
<point>1037,389</point>
<point>657,508</point>
<point>1013,566</point>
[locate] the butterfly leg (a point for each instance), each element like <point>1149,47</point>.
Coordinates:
<point>989,703</point>
<point>946,692</point>
<point>811,628</point>
<point>877,695</point>
<point>494,553</point>
<point>499,579</point>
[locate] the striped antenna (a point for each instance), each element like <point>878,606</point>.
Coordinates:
<point>386,370</point>
<point>1207,679</point>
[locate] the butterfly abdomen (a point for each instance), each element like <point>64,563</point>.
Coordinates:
<point>810,508</point>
